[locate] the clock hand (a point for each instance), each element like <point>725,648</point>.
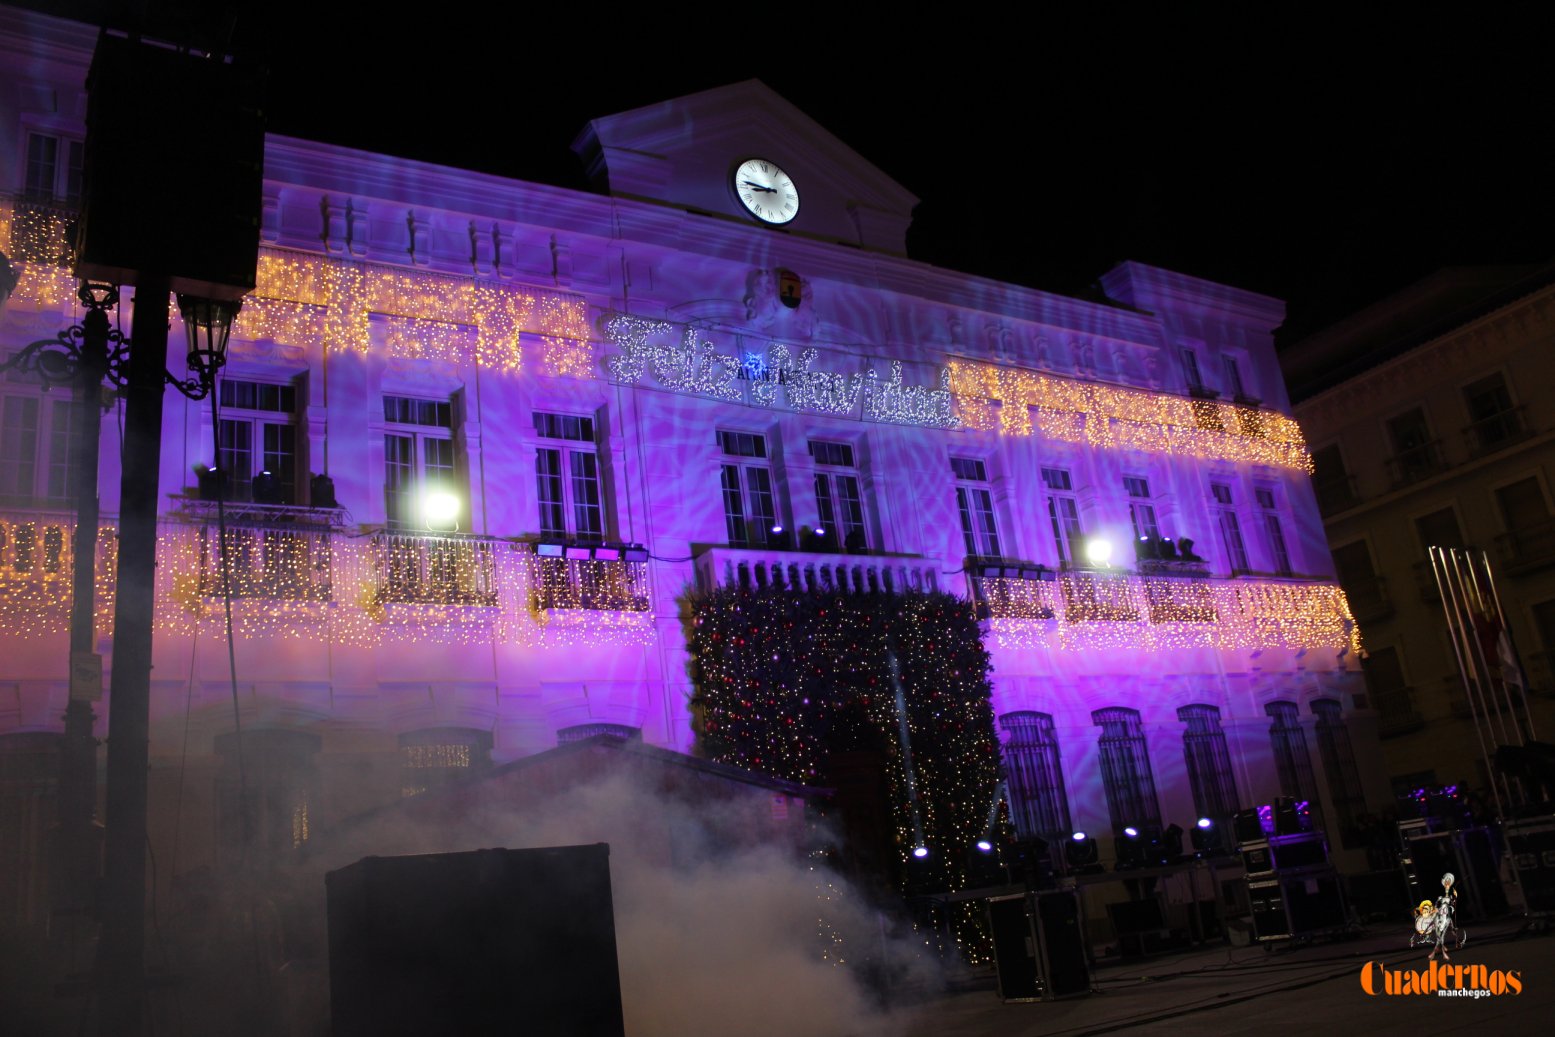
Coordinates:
<point>752,183</point>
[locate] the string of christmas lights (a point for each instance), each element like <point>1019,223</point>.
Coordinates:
<point>323,586</point>
<point>1018,402</point>
<point>1085,612</point>
<point>36,239</point>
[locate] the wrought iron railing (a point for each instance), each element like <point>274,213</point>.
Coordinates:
<point>612,585</point>
<point>1495,431</point>
<point>433,569</point>
<point>1416,463</point>
<point>1527,548</point>
<point>806,571</point>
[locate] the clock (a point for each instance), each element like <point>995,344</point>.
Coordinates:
<point>766,191</point>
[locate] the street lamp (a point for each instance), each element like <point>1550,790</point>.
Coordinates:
<point>207,326</point>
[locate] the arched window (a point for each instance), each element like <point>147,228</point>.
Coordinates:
<point>1038,805</point>
<point>1344,780</point>
<point>1125,770</point>
<point>1209,763</point>
<point>435,756</point>
<point>1291,758</point>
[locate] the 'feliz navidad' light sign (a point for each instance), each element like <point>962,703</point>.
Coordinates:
<point>694,365</point>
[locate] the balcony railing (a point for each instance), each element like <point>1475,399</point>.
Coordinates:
<point>1425,579</point>
<point>815,573</point>
<point>1369,600</point>
<point>1529,548</point>
<point>1496,431</point>
<point>613,584</point>
<point>1396,709</point>
<point>1094,597</point>
<point>433,569</point>
<point>1335,494</point>
<point>1416,463</point>
<point>35,547</point>
<point>265,562</point>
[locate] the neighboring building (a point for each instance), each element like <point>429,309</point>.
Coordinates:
<point>710,370</point>
<point>1430,424</point>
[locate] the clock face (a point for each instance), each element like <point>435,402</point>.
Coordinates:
<point>766,191</point>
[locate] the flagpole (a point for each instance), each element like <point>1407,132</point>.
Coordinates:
<point>1516,659</point>
<point>1449,597</point>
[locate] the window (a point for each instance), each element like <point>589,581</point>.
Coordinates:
<point>434,757</point>
<point>1233,373</point>
<point>1273,534</point>
<point>1389,692</point>
<point>1063,512</point>
<point>1230,528</point>
<point>837,494</point>
<point>1038,804</point>
<point>974,501</point>
<point>1330,479</point>
<point>1493,420</point>
<point>264,789</point>
<point>1140,511</point>
<point>53,169</point>
<point>568,479</point>
<point>1291,759</point>
<point>37,434</point>
<point>258,439</point>
<point>1344,780</point>
<point>750,508</point>
<point>1125,770</point>
<point>1439,529</point>
<point>1190,368</point>
<point>418,457</point>
<point>1209,763</point>
<point>1414,451</point>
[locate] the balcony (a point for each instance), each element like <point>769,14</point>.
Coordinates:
<point>1425,580</point>
<point>1096,597</point>
<point>433,569</point>
<point>1368,594</point>
<point>268,563</point>
<point>602,584</point>
<point>1528,549</point>
<point>1490,434</point>
<point>1176,599</point>
<point>1416,464</point>
<point>1396,710</point>
<point>35,548</point>
<point>1335,494</point>
<point>816,573</point>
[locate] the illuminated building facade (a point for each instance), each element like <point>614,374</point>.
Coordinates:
<point>1429,426</point>
<point>482,440</point>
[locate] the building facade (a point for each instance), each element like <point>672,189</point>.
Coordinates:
<point>484,441</point>
<point>1428,428</point>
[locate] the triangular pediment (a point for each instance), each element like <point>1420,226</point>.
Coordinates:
<point>683,153</point>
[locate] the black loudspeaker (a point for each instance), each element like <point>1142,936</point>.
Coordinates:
<point>1268,908</point>
<point>1313,902</point>
<point>173,141</point>
<point>1038,946</point>
<point>1246,826</point>
<point>492,941</point>
<point>1531,844</point>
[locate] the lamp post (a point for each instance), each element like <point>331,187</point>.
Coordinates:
<point>122,951</point>
<point>81,356</point>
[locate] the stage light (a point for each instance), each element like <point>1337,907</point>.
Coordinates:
<point>1131,832</point>
<point>578,554</point>
<point>548,550</point>
<point>607,554</point>
<point>1170,844</point>
<point>920,852</point>
<point>820,531</point>
<point>777,529</point>
<point>1208,839</point>
<point>440,510</point>
<point>1205,822</point>
<point>1098,551</point>
<point>1080,852</point>
<point>985,846</point>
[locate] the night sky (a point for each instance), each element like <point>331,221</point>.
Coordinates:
<point>1325,160</point>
